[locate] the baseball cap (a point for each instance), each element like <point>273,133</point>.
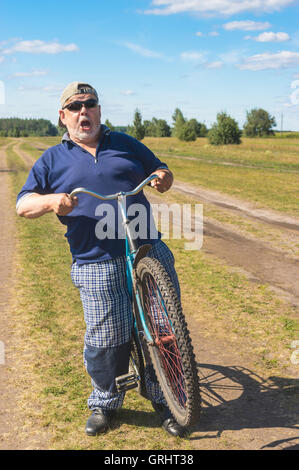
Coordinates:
<point>75,88</point>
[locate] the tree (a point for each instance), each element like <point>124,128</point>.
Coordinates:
<point>157,128</point>
<point>187,131</point>
<point>138,129</point>
<point>108,124</point>
<point>17,127</point>
<point>203,130</point>
<point>259,123</point>
<point>178,121</point>
<point>224,131</point>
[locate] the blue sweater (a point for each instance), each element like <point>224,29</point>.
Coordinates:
<point>121,163</point>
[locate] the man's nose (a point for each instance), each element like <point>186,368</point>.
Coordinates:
<point>83,109</point>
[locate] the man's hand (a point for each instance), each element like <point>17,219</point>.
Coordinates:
<point>37,205</point>
<point>164,182</point>
<point>62,203</point>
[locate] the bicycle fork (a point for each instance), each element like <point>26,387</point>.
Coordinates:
<point>132,378</point>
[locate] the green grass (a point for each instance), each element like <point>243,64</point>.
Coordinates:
<point>266,188</point>
<point>276,191</point>
<point>32,150</point>
<point>271,153</point>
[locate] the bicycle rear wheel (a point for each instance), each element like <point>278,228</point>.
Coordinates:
<point>171,350</point>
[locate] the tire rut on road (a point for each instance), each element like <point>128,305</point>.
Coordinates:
<point>258,262</point>
<point>13,436</point>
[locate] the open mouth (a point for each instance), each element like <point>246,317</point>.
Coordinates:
<point>85,125</point>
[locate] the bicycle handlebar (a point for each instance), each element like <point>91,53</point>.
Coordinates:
<point>116,195</point>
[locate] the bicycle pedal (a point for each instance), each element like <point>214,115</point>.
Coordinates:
<point>126,382</point>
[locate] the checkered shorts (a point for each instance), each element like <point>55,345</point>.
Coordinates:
<point>105,297</point>
<point>109,320</point>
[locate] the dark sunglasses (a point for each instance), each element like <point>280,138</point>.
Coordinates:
<point>78,105</point>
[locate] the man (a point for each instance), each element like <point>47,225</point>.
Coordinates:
<point>92,156</point>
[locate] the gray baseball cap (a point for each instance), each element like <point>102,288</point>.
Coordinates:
<point>76,88</point>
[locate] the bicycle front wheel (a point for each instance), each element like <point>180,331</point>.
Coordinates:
<point>136,364</point>
<point>171,350</point>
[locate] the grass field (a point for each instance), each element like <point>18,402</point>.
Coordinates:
<point>225,304</point>
<point>268,174</point>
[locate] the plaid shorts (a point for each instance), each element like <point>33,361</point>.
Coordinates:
<point>108,316</point>
<point>105,297</point>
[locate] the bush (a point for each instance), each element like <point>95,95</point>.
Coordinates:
<point>186,132</point>
<point>259,123</point>
<point>224,131</point>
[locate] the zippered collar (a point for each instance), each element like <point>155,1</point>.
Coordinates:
<point>104,131</point>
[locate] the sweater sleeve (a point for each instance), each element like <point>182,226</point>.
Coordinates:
<point>37,180</point>
<point>146,156</point>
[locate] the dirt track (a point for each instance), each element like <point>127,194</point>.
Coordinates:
<point>258,262</point>
<point>237,403</point>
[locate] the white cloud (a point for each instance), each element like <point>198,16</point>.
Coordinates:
<point>34,73</point>
<point>215,7</point>
<point>143,51</point>
<point>272,37</point>
<point>1,59</point>
<point>128,92</point>
<point>40,47</point>
<point>193,56</point>
<point>213,33</point>
<point>214,65</point>
<point>232,57</point>
<point>269,61</point>
<point>52,89</point>
<point>247,25</point>
<point>199,33</point>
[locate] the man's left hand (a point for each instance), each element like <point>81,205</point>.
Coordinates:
<point>164,182</point>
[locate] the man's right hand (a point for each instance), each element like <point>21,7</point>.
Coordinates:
<point>37,205</point>
<point>63,204</point>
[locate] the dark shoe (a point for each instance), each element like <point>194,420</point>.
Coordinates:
<point>168,422</point>
<point>98,422</point>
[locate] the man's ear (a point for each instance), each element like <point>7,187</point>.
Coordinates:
<point>62,116</point>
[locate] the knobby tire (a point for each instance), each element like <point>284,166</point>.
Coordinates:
<point>171,351</point>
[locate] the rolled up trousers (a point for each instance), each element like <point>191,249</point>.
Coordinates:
<point>109,321</point>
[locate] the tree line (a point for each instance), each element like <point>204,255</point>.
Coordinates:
<point>259,123</point>
<point>17,127</point>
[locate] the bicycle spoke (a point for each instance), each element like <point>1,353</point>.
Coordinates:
<point>165,340</point>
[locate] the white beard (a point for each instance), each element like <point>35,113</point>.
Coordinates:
<point>85,135</point>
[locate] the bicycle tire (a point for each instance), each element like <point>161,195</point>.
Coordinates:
<point>136,363</point>
<point>171,347</point>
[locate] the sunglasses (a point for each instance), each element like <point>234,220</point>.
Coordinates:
<point>78,105</point>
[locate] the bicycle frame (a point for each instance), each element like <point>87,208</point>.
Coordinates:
<point>133,254</point>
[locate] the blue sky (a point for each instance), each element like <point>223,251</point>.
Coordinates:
<point>202,56</point>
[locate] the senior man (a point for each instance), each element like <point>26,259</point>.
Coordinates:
<point>92,156</point>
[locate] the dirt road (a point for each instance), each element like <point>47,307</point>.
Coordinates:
<point>240,408</point>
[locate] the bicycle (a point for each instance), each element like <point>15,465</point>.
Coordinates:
<point>160,334</point>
